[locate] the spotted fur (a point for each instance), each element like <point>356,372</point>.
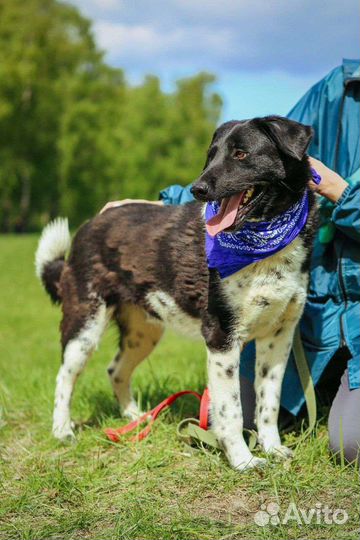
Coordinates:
<point>145,267</point>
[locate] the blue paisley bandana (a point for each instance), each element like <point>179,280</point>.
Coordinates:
<point>230,252</point>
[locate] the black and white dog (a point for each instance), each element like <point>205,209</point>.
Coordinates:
<point>145,267</point>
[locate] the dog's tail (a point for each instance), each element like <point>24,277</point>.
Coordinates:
<point>50,256</point>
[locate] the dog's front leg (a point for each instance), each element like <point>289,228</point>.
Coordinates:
<point>272,353</point>
<point>226,412</point>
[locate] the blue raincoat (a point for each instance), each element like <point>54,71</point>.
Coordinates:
<point>331,317</point>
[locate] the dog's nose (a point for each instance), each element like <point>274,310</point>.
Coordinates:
<point>200,189</point>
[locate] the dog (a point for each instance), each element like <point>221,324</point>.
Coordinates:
<point>145,267</point>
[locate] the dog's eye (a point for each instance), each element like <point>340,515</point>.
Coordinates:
<point>239,154</point>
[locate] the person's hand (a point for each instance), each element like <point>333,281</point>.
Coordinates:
<point>114,204</point>
<point>332,185</point>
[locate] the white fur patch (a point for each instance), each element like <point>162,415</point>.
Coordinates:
<point>76,353</point>
<point>173,316</point>
<point>54,242</point>
<point>260,293</point>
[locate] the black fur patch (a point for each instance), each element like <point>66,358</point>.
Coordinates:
<point>261,301</point>
<point>264,371</point>
<point>230,371</point>
<point>51,279</point>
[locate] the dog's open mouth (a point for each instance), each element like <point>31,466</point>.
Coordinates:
<point>233,211</point>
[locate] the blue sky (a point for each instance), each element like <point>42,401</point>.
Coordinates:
<point>265,53</point>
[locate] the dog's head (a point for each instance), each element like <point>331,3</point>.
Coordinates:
<point>255,168</point>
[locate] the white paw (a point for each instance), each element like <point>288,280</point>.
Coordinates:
<point>132,411</point>
<point>253,462</point>
<point>64,434</point>
<point>280,452</point>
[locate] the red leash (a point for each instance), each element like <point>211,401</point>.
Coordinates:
<point>115,434</point>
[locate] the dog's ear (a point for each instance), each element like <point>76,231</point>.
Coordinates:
<point>290,137</point>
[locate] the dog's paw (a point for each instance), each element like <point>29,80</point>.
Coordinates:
<point>280,452</point>
<point>254,462</point>
<point>64,435</point>
<point>132,411</point>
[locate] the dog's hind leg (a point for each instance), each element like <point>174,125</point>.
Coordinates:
<point>80,338</point>
<point>139,336</point>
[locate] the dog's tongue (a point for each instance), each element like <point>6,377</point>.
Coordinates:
<point>226,215</point>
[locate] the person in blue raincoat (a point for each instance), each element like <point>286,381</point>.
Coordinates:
<point>330,326</point>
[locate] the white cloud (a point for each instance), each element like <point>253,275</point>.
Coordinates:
<point>293,36</point>
<point>143,45</point>
<point>121,39</point>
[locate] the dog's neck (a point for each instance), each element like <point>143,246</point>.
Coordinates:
<point>229,252</point>
<point>275,202</point>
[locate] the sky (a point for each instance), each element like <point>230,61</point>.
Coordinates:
<point>265,53</point>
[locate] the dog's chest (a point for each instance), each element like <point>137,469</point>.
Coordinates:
<point>259,295</point>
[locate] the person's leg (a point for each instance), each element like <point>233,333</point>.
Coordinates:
<point>328,385</point>
<point>248,402</point>
<point>344,424</point>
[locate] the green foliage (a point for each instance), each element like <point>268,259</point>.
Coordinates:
<point>74,133</point>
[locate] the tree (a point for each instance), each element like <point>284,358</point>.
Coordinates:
<point>88,144</point>
<point>43,43</point>
<point>74,133</point>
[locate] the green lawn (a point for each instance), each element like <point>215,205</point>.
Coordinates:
<point>156,489</point>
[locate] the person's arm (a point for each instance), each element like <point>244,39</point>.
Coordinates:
<point>346,214</point>
<point>171,195</point>
<point>114,204</point>
<point>176,194</point>
<point>332,185</point>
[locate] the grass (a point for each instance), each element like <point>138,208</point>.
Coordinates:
<point>156,489</point>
